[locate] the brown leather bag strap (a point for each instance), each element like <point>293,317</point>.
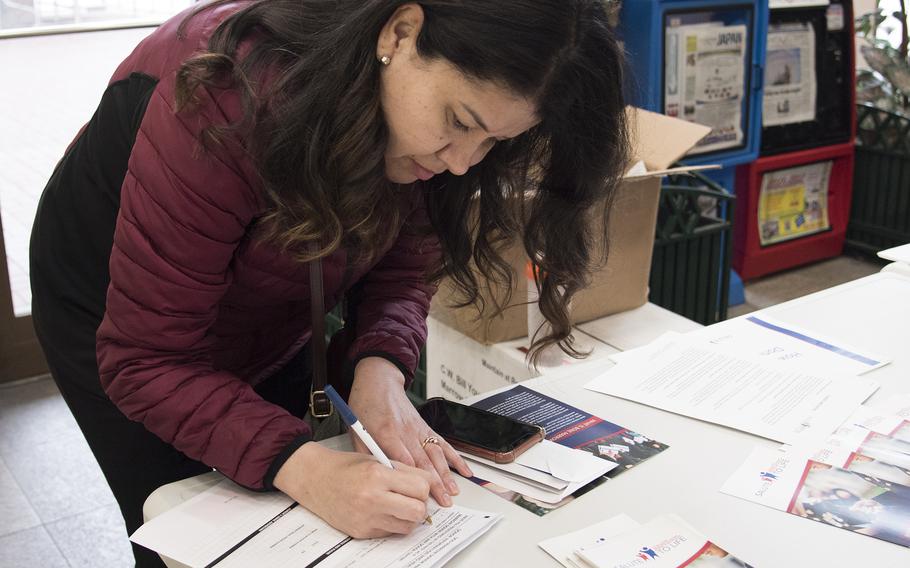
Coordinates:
<point>320,405</point>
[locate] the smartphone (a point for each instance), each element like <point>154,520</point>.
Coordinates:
<point>480,432</point>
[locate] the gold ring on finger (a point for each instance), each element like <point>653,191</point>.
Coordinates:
<point>429,440</point>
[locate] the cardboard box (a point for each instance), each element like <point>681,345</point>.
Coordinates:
<point>459,367</point>
<point>620,285</point>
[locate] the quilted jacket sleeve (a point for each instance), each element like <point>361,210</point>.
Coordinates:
<point>395,296</point>
<point>183,213</point>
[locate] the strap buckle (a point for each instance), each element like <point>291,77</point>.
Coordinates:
<point>320,405</point>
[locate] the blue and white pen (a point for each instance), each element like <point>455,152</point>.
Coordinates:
<point>349,418</point>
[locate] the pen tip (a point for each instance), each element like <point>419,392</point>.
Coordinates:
<point>429,520</point>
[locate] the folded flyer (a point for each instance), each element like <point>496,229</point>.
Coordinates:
<point>570,427</point>
<point>562,548</point>
<point>849,499</point>
<point>667,541</point>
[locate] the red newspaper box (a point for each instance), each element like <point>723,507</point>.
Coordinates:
<point>791,209</point>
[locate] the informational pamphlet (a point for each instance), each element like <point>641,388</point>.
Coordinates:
<point>570,427</point>
<point>793,202</point>
<point>228,526</point>
<point>705,81</point>
<point>790,81</point>
<point>667,541</point>
<point>848,499</point>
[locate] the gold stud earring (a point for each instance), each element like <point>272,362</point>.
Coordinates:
<point>385,59</point>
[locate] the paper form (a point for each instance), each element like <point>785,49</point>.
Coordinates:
<point>764,397</point>
<point>229,527</point>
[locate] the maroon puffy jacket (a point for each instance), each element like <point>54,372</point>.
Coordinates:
<point>197,310</point>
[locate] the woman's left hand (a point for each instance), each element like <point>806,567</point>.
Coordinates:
<point>380,403</point>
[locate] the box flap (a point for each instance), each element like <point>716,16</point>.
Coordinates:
<point>670,171</point>
<point>660,140</point>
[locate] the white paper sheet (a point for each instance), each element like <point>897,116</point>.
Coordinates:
<point>764,337</point>
<point>899,405</point>
<point>551,465</point>
<point>534,490</point>
<point>896,254</point>
<point>763,397</point>
<point>230,527</point>
<point>562,548</point>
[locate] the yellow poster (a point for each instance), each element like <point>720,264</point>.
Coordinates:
<point>793,203</point>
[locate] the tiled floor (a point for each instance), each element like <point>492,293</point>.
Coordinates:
<point>55,507</point>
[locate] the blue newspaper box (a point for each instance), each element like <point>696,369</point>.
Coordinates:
<point>702,61</point>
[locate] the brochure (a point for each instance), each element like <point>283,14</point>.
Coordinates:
<point>851,500</point>
<point>562,548</point>
<point>570,427</point>
<point>666,541</point>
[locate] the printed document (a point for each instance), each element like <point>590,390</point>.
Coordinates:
<point>765,397</point>
<point>230,527</point>
<point>765,337</point>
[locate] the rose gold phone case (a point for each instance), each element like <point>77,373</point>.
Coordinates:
<point>499,457</point>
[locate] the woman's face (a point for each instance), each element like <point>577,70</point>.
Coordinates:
<point>438,118</point>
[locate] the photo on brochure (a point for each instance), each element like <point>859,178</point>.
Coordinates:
<point>877,468</point>
<point>853,501</point>
<point>902,432</point>
<point>887,449</point>
<point>713,556</point>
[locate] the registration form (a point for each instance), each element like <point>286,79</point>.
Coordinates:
<point>230,527</point>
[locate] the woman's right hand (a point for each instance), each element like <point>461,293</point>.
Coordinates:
<point>355,493</point>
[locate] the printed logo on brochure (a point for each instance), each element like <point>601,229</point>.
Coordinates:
<point>771,474</point>
<point>646,553</point>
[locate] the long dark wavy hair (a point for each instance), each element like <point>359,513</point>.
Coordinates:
<point>318,135</point>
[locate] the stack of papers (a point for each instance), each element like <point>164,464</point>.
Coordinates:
<point>547,472</point>
<point>858,479</point>
<point>227,526</point>
<point>753,373</point>
<point>580,452</point>
<point>620,541</point>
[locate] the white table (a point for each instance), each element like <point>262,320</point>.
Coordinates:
<point>872,312</point>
